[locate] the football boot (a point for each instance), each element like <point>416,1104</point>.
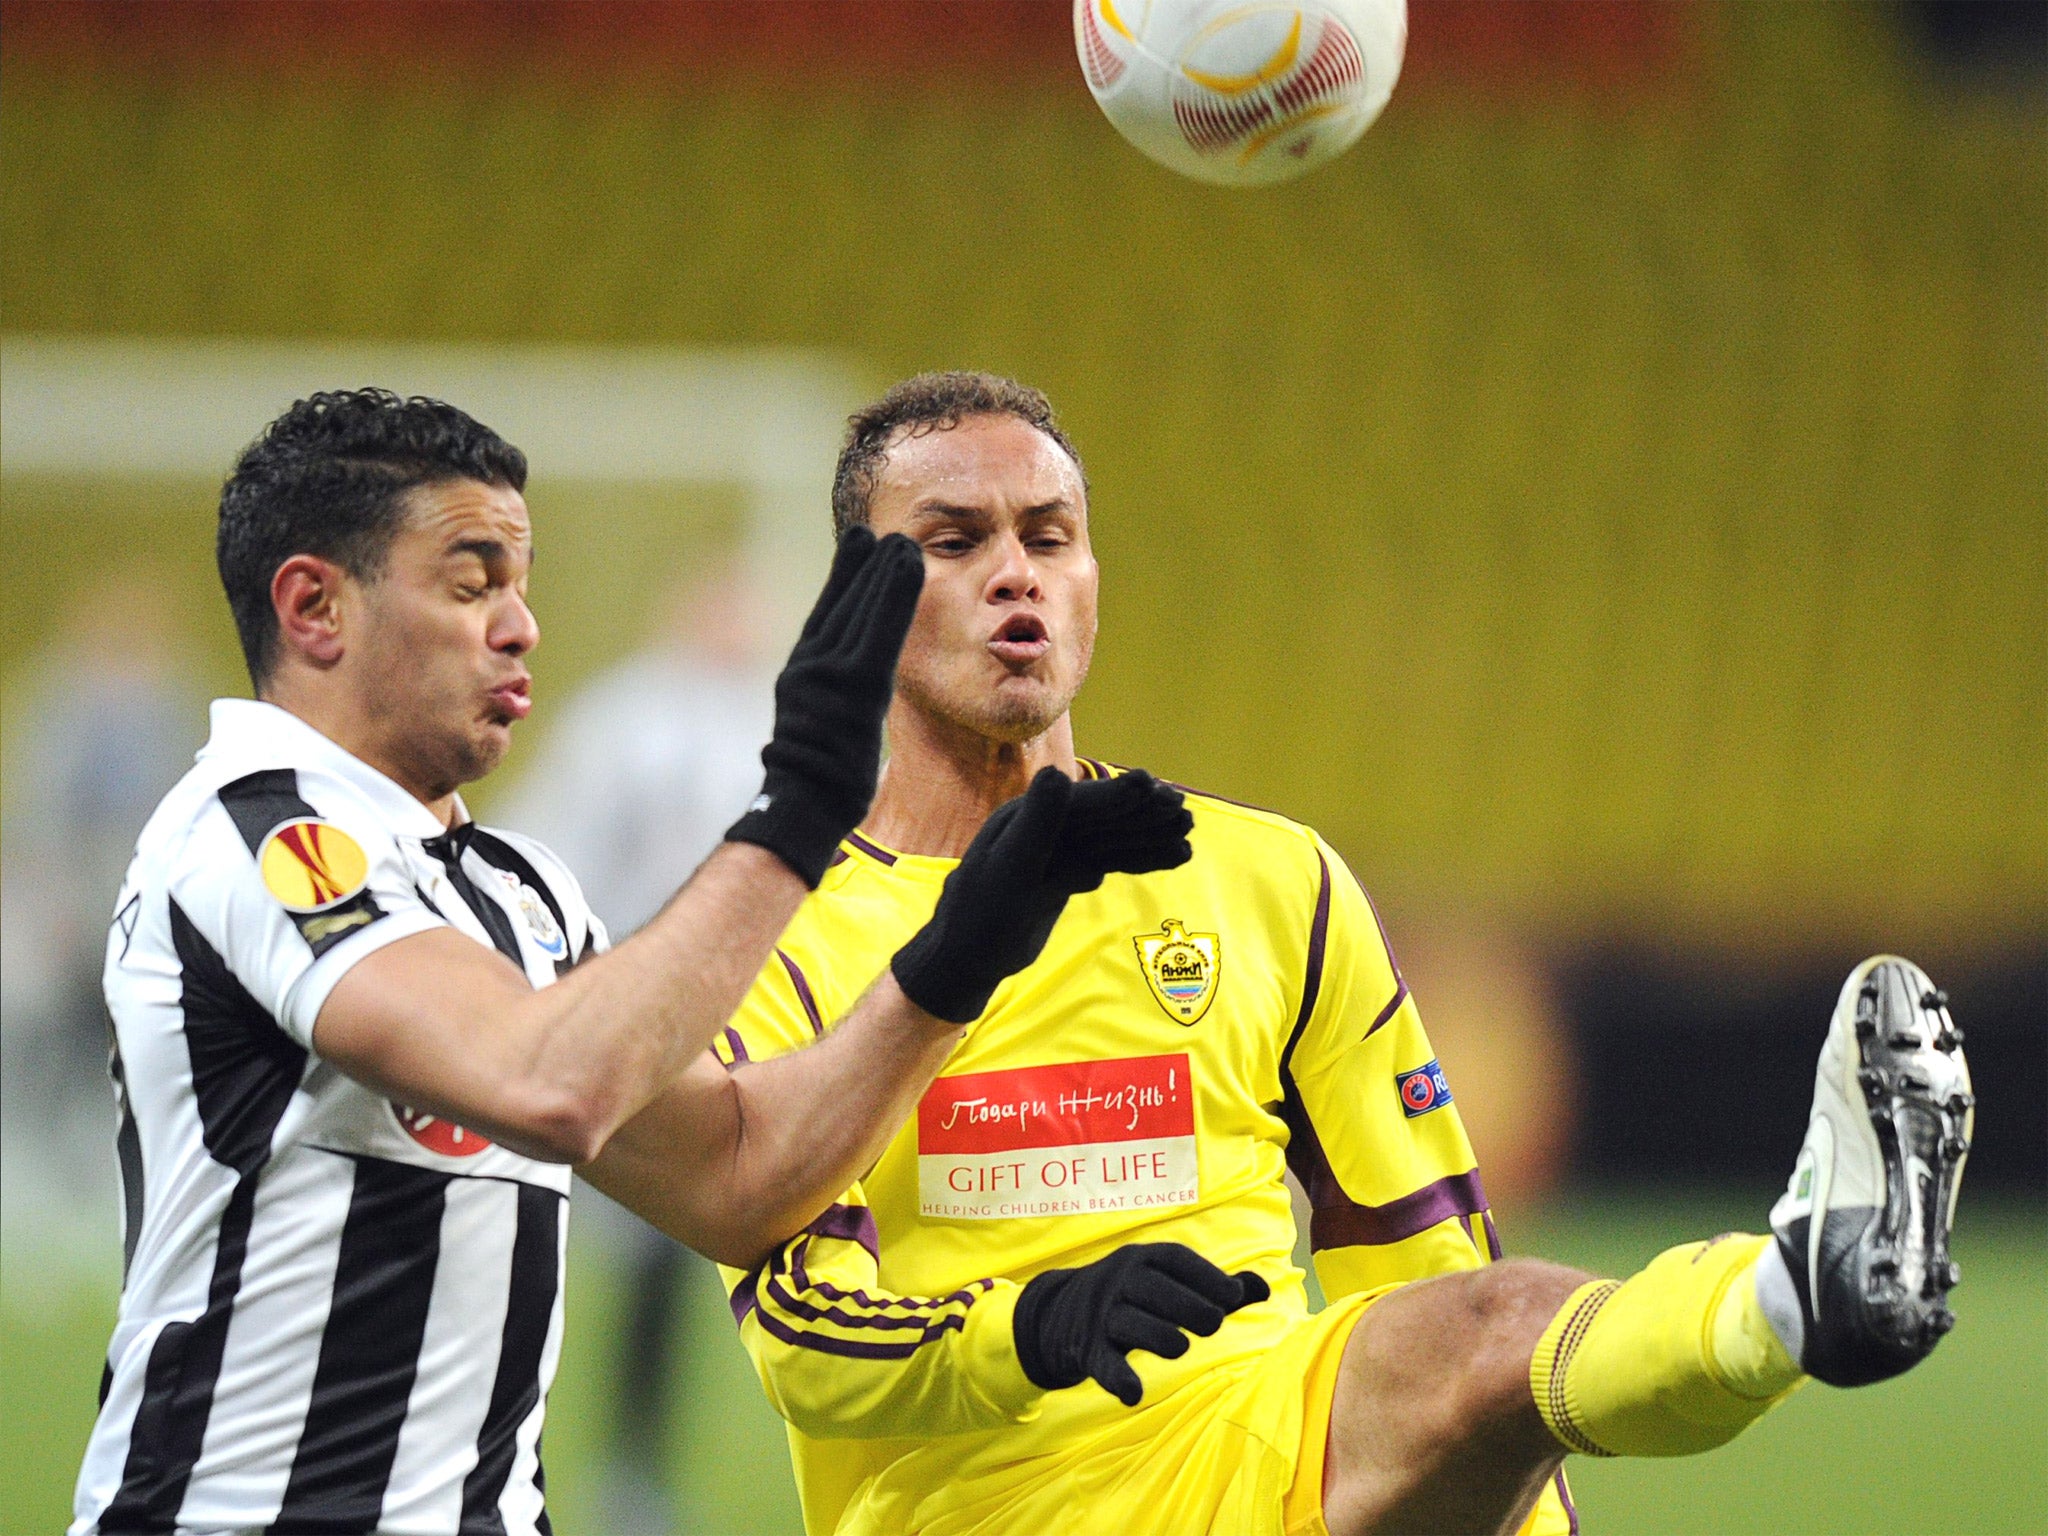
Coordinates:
<point>1863,1226</point>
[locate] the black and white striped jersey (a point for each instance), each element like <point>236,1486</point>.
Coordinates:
<point>339,1315</point>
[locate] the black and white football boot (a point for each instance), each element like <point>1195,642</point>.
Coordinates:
<point>1863,1227</point>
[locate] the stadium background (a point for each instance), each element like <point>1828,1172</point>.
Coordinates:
<point>1608,503</point>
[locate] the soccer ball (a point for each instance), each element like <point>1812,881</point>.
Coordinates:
<point>1241,92</point>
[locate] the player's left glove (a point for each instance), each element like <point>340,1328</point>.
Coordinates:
<point>1054,841</point>
<point>1072,1324</point>
<point>822,762</point>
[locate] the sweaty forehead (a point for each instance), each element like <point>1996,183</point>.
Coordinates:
<point>994,463</point>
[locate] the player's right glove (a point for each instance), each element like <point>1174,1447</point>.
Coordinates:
<point>826,754</point>
<point>1071,1324</point>
<point>998,907</point>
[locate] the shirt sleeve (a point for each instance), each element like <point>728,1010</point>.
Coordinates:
<point>1375,1136</point>
<point>841,1358</point>
<point>292,881</point>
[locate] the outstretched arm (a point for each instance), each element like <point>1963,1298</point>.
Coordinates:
<point>735,1163</point>
<point>447,1025</point>
<point>732,1161</point>
<point>838,1354</point>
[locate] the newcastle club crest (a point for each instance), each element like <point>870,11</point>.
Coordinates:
<point>1181,969</point>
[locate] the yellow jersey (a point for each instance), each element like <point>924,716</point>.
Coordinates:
<point>1184,1038</point>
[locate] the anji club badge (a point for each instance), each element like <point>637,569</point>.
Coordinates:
<point>1181,969</point>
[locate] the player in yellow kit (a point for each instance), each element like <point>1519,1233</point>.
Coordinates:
<point>1184,1037</point>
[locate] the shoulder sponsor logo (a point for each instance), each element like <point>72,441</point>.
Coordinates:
<point>1181,968</point>
<point>311,865</point>
<point>1422,1090</point>
<point>438,1135</point>
<point>1073,1138</point>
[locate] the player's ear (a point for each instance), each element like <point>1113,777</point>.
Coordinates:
<point>305,594</point>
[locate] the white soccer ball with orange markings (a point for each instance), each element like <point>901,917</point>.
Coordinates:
<point>1241,92</point>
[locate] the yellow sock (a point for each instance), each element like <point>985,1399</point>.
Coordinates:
<point>1675,1360</point>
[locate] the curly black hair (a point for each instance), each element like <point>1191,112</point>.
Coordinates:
<point>930,402</point>
<point>329,478</point>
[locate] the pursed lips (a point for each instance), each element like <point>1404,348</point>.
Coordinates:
<point>513,699</point>
<point>1020,640</point>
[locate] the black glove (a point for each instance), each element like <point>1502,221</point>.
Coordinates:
<point>826,753</point>
<point>1055,840</point>
<point>1071,1324</point>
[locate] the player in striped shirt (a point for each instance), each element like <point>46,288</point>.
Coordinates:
<point>1185,1036</point>
<point>359,1039</point>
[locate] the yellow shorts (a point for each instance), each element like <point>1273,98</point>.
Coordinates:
<point>1237,1452</point>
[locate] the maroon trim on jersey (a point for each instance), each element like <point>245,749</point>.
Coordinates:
<point>739,1047</point>
<point>880,855</point>
<point>1348,1225</point>
<point>803,993</point>
<point>1571,1510</point>
<point>855,1349</point>
<point>1493,1248</point>
<point>854,1224</point>
<point>1338,1221</point>
<point>951,1311</point>
<point>922,1320</point>
<point>1393,1006</point>
<point>861,1298</point>
<point>1312,971</point>
<point>921,1310</point>
<point>851,1224</point>
<point>744,1297</point>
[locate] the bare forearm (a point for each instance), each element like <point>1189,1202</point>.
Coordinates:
<point>811,1123</point>
<point>450,1026</point>
<point>445,1024</point>
<point>734,1163</point>
<point>619,1030</point>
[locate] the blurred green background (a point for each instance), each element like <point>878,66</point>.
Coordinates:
<point>1609,503</point>
<point>1601,468</point>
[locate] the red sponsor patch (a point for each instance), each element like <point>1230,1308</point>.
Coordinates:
<point>1064,1139</point>
<point>437,1134</point>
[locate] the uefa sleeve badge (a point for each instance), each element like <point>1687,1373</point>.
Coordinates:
<point>1422,1090</point>
<point>320,875</point>
<point>1181,968</point>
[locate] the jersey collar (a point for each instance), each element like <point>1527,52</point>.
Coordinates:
<point>857,848</point>
<point>872,852</point>
<point>254,731</point>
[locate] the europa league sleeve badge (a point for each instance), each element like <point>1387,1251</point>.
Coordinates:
<point>1181,969</point>
<point>321,876</point>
